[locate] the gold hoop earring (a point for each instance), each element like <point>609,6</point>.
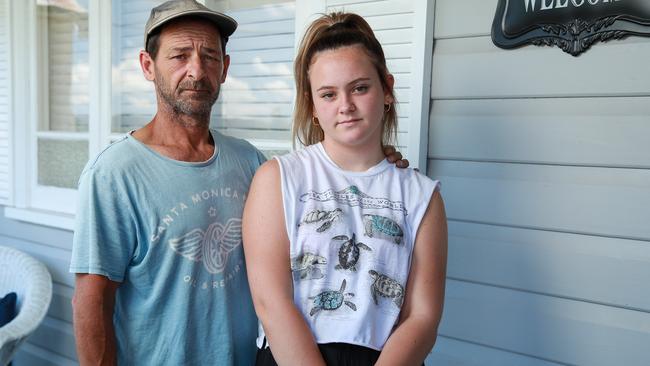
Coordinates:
<point>314,121</point>
<point>386,108</point>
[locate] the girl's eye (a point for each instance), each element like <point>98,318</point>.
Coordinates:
<point>327,95</point>
<point>361,88</point>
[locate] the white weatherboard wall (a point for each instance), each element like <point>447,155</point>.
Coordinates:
<point>545,164</point>
<point>5,104</point>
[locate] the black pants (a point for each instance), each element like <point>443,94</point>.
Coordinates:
<point>335,354</point>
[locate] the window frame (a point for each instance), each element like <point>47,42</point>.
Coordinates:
<point>47,205</point>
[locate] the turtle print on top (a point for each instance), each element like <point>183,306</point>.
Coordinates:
<point>385,286</point>
<point>332,300</point>
<point>351,237</point>
<point>324,218</point>
<point>349,252</point>
<point>308,266</point>
<point>380,226</point>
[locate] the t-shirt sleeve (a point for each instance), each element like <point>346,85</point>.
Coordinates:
<point>261,159</point>
<point>104,238</point>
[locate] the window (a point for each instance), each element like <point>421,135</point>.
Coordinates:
<point>61,136</point>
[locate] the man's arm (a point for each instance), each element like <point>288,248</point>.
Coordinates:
<point>92,305</point>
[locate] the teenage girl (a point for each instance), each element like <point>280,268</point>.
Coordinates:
<point>346,253</point>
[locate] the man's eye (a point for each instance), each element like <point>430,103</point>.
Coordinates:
<point>178,57</point>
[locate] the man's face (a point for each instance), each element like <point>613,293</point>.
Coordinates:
<point>190,66</point>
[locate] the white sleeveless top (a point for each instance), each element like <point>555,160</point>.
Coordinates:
<point>351,239</point>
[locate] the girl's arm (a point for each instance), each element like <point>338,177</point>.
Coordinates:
<point>266,247</point>
<point>417,327</point>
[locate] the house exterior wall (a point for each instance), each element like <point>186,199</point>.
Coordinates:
<point>53,342</point>
<point>545,164</point>
<point>260,80</point>
<point>545,171</point>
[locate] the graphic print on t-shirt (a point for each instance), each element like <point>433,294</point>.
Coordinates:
<point>308,266</point>
<point>212,246</point>
<point>385,286</point>
<point>349,252</point>
<point>331,300</point>
<point>352,197</point>
<point>325,219</point>
<point>382,227</point>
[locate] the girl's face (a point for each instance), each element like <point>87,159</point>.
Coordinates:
<point>348,96</point>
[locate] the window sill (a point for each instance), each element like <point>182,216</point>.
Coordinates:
<point>40,217</point>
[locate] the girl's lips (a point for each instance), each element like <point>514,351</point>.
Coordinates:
<point>349,121</point>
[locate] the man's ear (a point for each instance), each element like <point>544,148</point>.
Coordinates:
<point>226,65</point>
<point>147,65</point>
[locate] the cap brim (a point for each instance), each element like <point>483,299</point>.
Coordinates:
<point>224,23</point>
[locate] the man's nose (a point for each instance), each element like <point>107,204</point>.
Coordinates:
<point>195,67</point>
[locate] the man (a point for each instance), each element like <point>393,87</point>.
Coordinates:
<point>161,278</point>
<point>157,246</point>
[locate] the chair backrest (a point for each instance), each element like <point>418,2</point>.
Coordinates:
<point>31,281</point>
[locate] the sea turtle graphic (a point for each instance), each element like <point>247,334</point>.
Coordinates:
<point>381,226</point>
<point>326,217</point>
<point>385,286</point>
<point>306,266</point>
<point>349,252</point>
<point>211,246</point>
<point>331,300</point>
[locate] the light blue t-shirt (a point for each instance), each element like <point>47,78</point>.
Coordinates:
<point>170,232</point>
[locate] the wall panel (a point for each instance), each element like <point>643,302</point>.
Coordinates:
<point>609,202</point>
<point>549,328</point>
<point>581,267</point>
<point>612,132</point>
<point>470,68</point>
<point>543,159</point>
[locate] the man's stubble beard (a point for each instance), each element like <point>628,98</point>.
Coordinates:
<point>200,114</point>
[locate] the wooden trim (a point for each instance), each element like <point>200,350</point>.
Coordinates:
<point>10,104</point>
<point>418,129</point>
<point>40,217</point>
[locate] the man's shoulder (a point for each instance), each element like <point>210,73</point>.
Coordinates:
<point>116,156</point>
<point>233,142</point>
<point>241,148</point>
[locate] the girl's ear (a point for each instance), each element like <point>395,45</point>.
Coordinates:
<point>390,82</point>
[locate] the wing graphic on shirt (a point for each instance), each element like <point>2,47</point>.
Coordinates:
<point>211,246</point>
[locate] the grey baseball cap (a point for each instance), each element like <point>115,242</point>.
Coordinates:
<point>174,9</point>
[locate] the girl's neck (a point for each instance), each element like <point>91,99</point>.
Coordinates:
<point>354,158</point>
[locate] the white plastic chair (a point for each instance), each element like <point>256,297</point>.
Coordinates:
<point>32,283</point>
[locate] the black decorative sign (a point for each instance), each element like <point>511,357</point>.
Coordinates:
<point>572,25</point>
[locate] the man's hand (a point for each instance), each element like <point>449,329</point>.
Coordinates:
<point>395,157</point>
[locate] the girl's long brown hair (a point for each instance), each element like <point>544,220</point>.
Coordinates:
<point>330,32</point>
